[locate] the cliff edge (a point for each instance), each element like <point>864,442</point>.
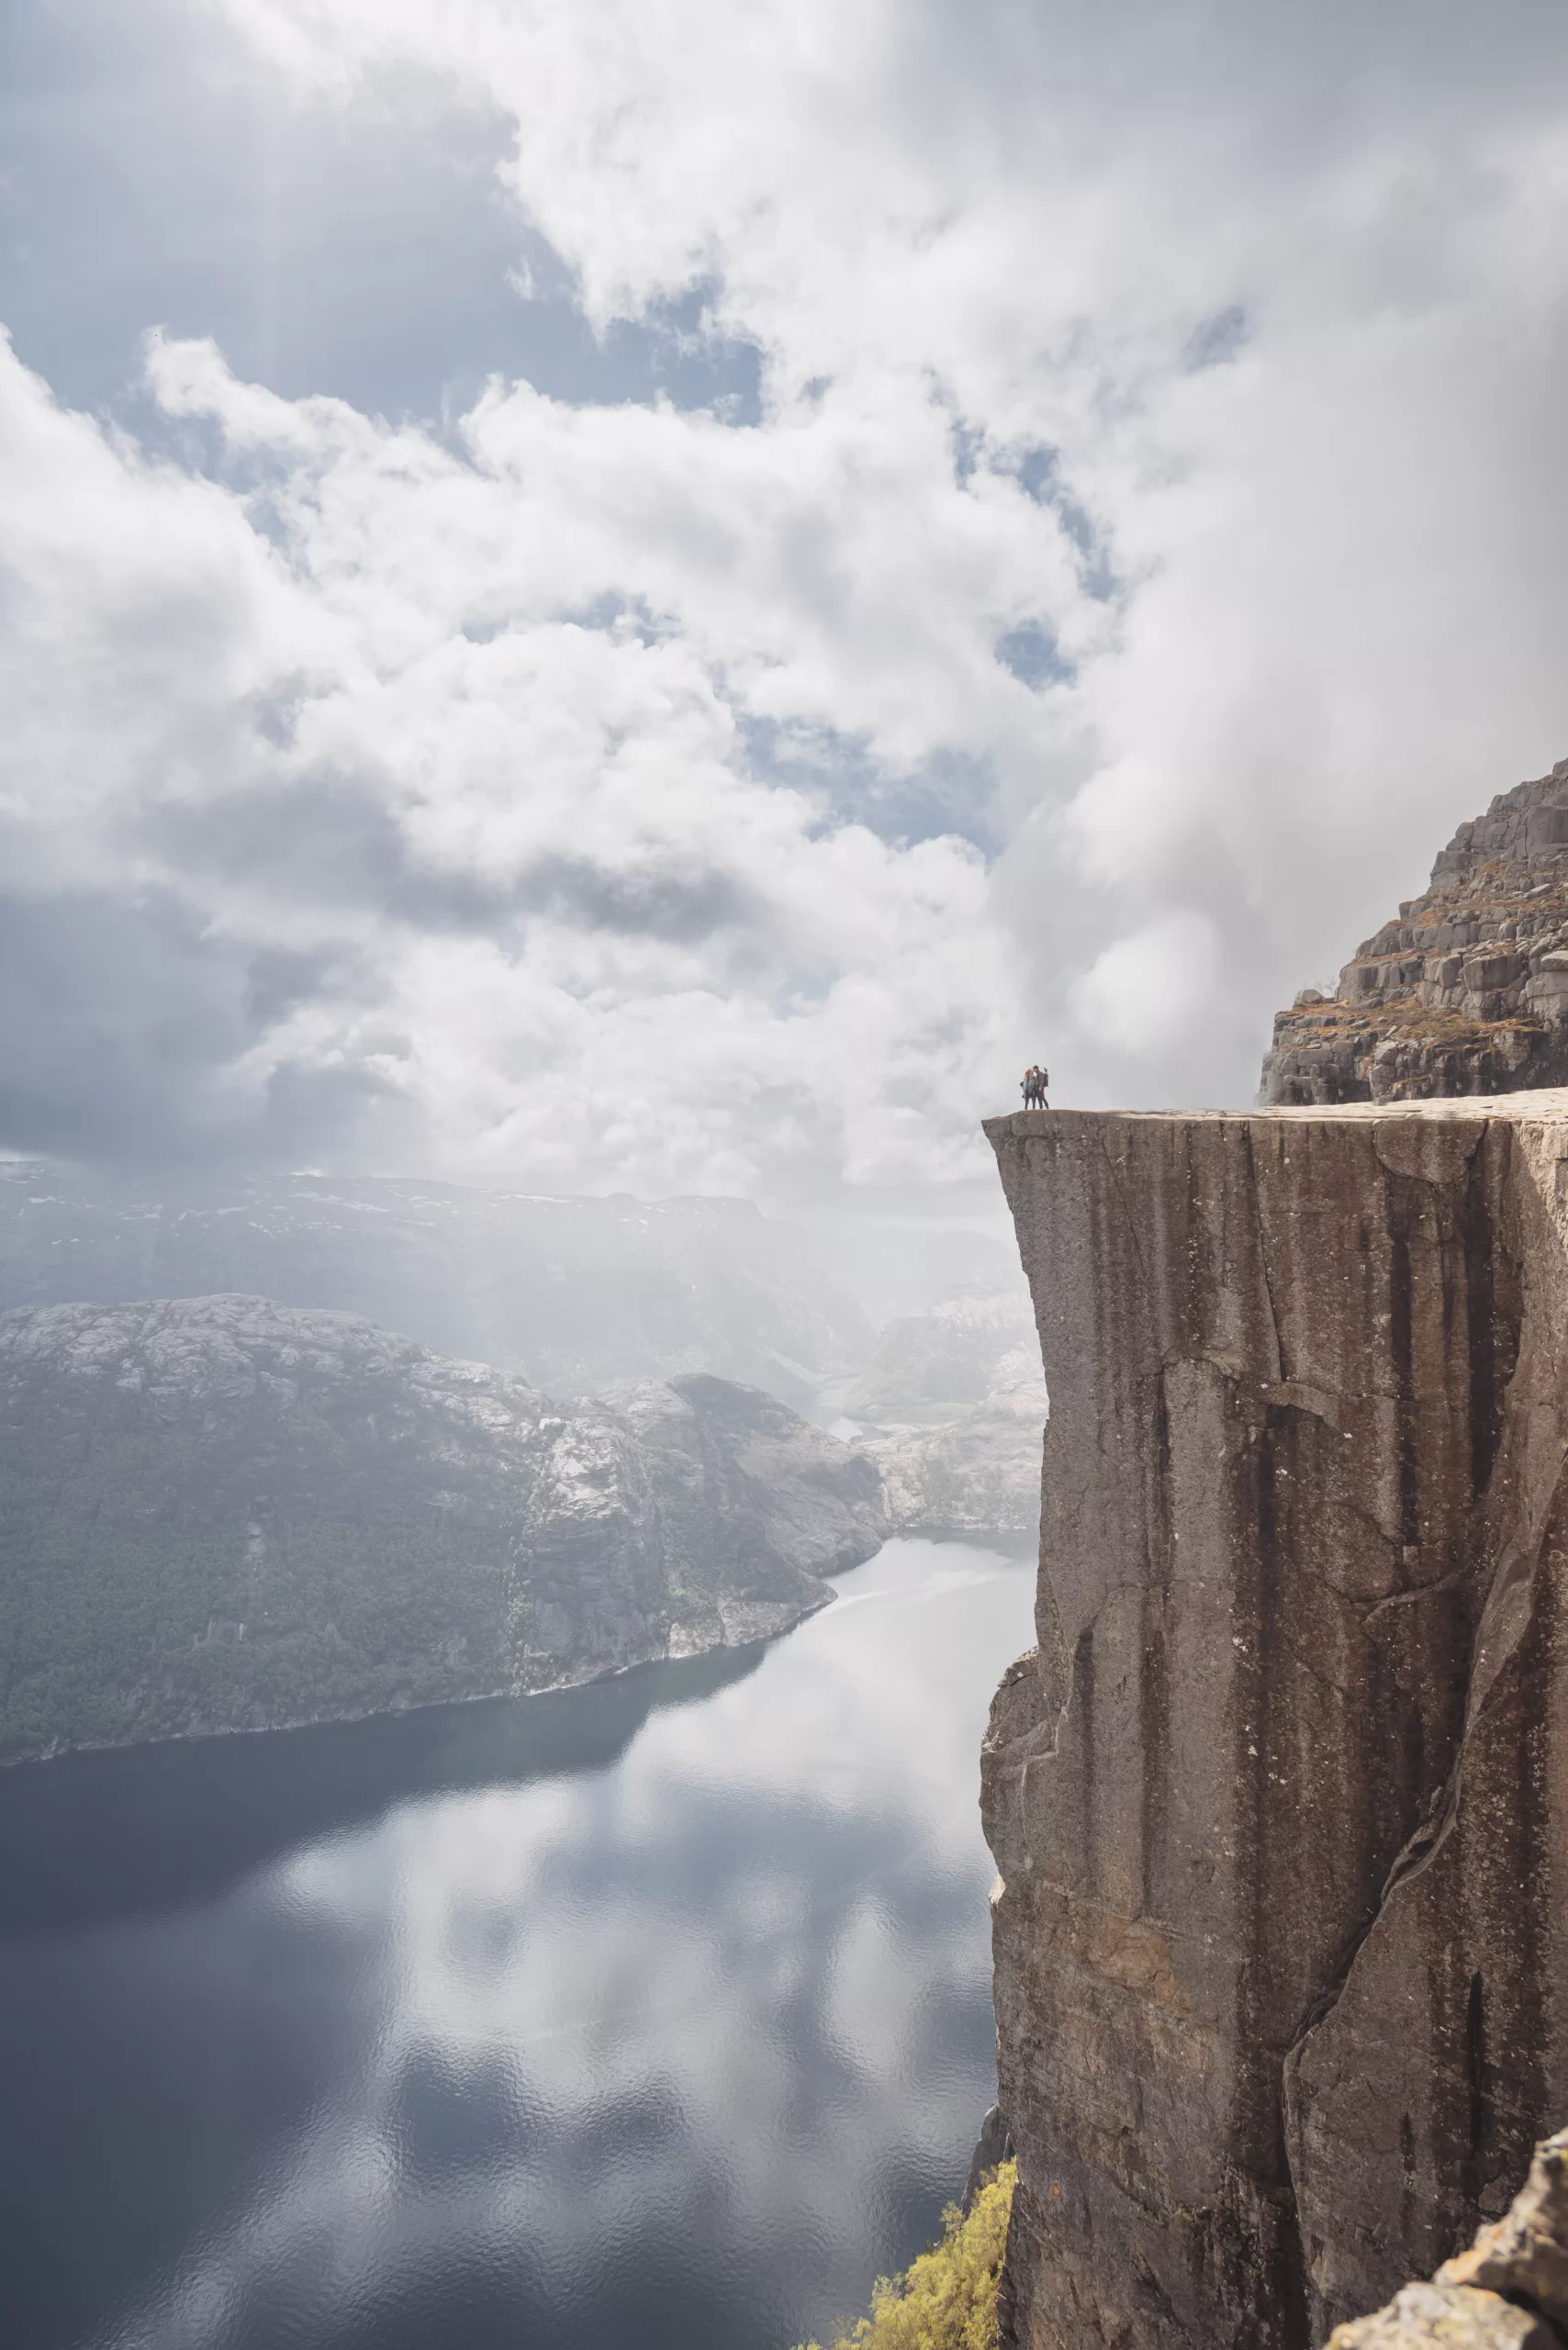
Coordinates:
<point>1280,1801</point>
<point>1466,992</point>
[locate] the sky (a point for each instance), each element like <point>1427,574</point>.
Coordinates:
<point>658,597</point>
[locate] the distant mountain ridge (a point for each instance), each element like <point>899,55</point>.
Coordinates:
<point>952,1407</point>
<point>223,1514</point>
<point>928,1367</point>
<point>574,1293</point>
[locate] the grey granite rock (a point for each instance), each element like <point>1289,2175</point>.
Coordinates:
<point>1525,2254</point>
<point>223,1514</point>
<point>1510,2289</point>
<point>1466,992</point>
<point>992,2147</point>
<point>1280,1801</point>
<point>1447,2317</point>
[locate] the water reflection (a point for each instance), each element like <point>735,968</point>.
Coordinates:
<point>653,2013</point>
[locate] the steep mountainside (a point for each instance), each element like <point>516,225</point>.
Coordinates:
<point>574,1293</point>
<point>220,1513</point>
<point>1467,992</point>
<point>1280,1802</point>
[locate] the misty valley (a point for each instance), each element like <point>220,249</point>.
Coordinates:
<point>726,730</point>
<point>600,1967</point>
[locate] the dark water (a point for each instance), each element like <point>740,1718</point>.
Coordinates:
<point>651,2014</point>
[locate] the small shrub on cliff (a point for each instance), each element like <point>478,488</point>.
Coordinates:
<point>946,2300</point>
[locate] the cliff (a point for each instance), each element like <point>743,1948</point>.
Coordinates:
<point>1466,992</point>
<point>1280,1802</point>
<point>221,1514</point>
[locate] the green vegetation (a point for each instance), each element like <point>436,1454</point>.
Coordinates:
<point>946,2300</point>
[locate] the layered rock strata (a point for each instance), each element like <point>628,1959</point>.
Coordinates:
<point>220,1514</point>
<point>1466,992</point>
<point>1280,1801</point>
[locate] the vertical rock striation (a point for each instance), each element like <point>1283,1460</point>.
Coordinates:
<point>1280,1801</point>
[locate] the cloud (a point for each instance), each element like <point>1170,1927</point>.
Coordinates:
<point>1131,544</point>
<point>1142,992</point>
<point>378,824</point>
<point>1280,300</point>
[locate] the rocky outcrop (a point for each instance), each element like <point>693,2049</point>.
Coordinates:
<point>1280,1802</point>
<point>221,1514</point>
<point>1467,992</point>
<point>1508,2292</point>
<point>979,1474</point>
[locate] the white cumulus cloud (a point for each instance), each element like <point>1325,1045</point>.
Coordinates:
<point>1139,551</point>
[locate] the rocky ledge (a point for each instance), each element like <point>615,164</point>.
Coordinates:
<point>1280,1801</point>
<point>220,1514</point>
<point>1466,992</point>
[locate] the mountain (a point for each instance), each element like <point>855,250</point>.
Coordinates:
<point>929,1368</point>
<point>977,1474</point>
<point>951,1408</point>
<point>1466,992</point>
<point>220,1513</point>
<point>574,1293</point>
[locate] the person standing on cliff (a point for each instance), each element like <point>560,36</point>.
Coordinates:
<point>1034,1083</point>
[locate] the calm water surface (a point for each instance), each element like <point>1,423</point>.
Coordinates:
<point>651,2014</point>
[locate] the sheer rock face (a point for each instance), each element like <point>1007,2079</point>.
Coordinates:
<point>1280,1802</point>
<point>223,1513</point>
<point>1467,992</point>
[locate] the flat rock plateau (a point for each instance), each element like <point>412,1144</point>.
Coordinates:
<point>1280,1801</point>
<point>224,1514</point>
<point>1466,992</point>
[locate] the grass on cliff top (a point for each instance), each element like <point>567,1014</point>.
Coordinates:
<point>945,2299</point>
